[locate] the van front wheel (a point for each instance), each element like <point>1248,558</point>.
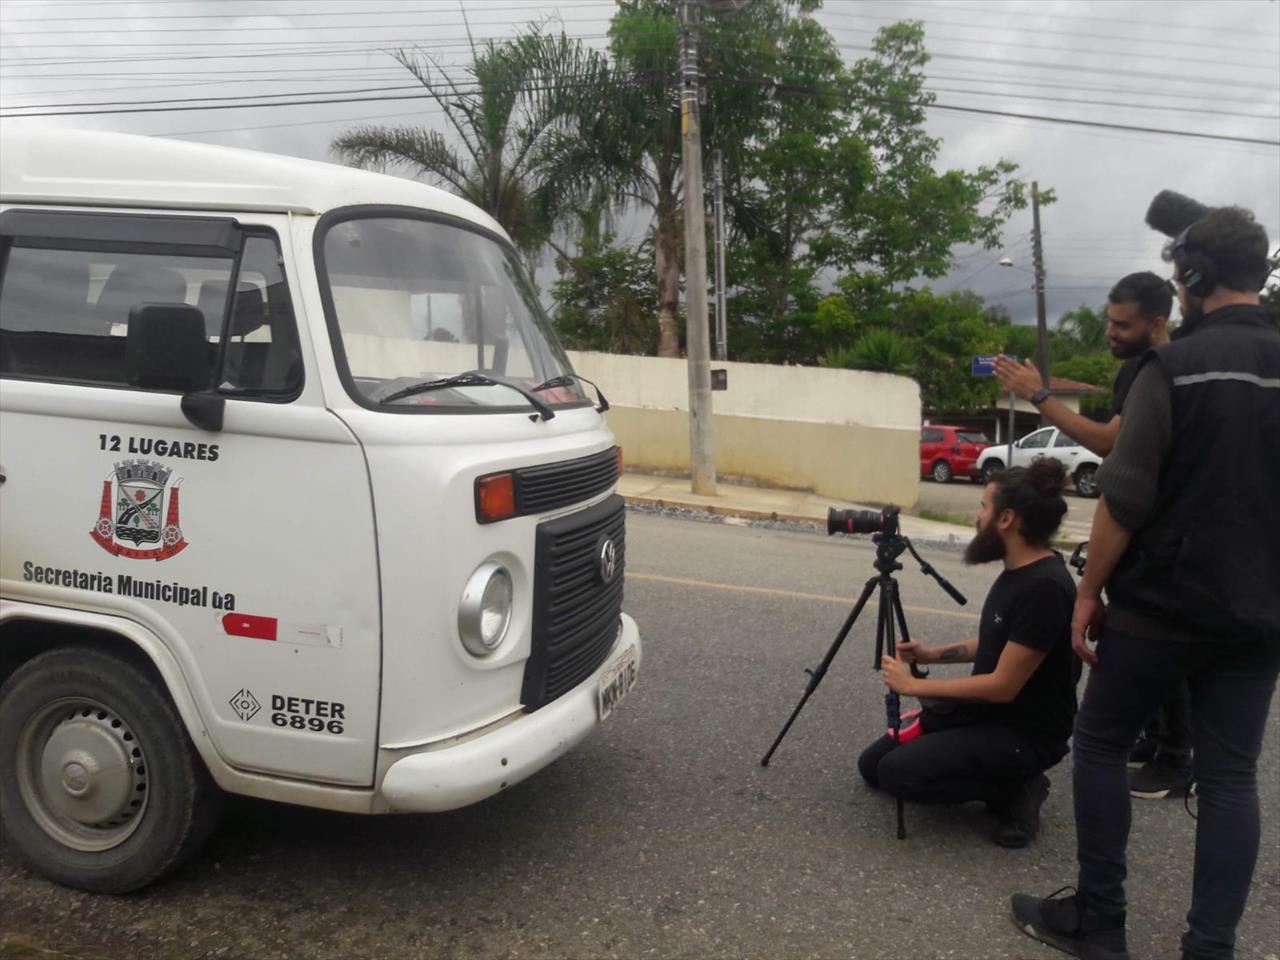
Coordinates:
<point>99,786</point>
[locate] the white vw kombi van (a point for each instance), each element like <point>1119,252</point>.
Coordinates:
<point>300,499</point>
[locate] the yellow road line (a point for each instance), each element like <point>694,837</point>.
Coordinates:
<point>792,594</point>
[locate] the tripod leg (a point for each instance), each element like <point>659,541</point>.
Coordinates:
<point>891,611</point>
<point>916,670</point>
<point>816,675</point>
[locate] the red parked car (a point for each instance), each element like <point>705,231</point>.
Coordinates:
<point>947,452</point>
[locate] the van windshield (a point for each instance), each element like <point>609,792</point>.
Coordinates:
<point>417,300</point>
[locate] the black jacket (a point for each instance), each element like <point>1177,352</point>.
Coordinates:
<point>1207,558</point>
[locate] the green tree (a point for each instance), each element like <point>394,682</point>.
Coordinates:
<point>507,151</point>
<point>910,216</point>
<point>1097,367</point>
<point>878,349</point>
<point>1082,330</point>
<point>604,300</point>
<point>844,179</point>
<point>938,334</point>
<point>1270,298</point>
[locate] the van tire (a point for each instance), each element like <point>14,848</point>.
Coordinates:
<point>70,720</point>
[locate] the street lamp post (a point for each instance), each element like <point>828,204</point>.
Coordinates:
<point>1037,255</point>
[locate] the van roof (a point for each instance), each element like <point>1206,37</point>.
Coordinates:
<point>96,167</point>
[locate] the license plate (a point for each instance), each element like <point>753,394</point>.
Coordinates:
<point>617,682</point>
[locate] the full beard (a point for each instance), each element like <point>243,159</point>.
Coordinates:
<point>986,546</point>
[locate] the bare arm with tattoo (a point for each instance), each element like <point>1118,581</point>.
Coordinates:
<point>962,652</point>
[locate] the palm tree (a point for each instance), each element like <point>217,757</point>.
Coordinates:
<point>631,142</point>
<point>510,153</point>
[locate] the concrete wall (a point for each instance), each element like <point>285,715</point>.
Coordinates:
<point>846,434</point>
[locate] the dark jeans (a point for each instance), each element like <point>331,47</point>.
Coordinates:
<point>1231,685</point>
<point>979,762</point>
<point>1170,730</point>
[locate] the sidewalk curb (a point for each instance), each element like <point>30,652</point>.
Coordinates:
<point>715,510</point>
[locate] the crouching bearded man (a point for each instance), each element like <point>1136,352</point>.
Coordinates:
<point>991,736</point>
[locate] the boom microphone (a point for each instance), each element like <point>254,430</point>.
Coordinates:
<point>1170,212</point>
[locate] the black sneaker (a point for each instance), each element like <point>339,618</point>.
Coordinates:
<point>1144,751</point>
<point>1061,923</point>
<point>1158,781</point>
<point>1018,815</point>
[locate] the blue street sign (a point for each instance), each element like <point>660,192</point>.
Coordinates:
<point>984,366</point>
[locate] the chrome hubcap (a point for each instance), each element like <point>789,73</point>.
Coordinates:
<point>83,774</point>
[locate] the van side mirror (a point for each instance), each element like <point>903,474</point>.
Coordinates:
<point>166,349</point>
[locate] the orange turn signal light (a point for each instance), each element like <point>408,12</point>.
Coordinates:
<point>495,497</point>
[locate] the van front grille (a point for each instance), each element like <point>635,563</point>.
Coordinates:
<point>576,610</point>
<point>550,486</point>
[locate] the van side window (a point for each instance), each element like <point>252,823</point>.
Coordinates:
<point>262,354</point>
<point>66,301</point>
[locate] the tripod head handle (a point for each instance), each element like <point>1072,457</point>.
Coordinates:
<point>952,592</point>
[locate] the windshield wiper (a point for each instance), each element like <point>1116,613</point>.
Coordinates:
<point>470,379</point>
<point>566,380</point>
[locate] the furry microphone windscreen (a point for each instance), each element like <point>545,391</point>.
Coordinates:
<point>1170,213</point>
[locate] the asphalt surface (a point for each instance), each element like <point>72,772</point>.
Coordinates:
<point>964,498</point>
<point>662,836</point>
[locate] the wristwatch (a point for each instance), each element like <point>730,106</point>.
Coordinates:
<point>1040,396</point>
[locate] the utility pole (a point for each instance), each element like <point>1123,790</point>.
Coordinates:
<point>1042,329</point>
<point>702,447</point>
<point>722,318</point>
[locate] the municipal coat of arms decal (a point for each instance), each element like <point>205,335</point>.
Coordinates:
<point>138,515</point>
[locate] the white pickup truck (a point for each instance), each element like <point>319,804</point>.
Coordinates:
<point>1081,462</point>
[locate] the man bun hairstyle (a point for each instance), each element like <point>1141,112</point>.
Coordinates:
<point>1034,493</point>
<point>1148,290</point>
<point>1228,237</point>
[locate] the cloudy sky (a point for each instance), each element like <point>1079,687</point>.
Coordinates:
<point>1158,65</point>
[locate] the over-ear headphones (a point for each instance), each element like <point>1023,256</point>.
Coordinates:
<point>1196,271</point>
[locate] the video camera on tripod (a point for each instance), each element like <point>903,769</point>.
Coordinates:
<point>890,544</point>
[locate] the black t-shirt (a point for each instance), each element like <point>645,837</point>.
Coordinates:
<point>1124,380</point>
<point>1032,606</point>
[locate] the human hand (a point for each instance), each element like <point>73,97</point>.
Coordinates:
<point>897,675</point>
<point>1021,378</point>
<point>1086,625</point>
<point>912,651</point>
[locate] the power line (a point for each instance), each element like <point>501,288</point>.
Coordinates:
<point>1091,18</point>
<point>1107,103</point>
<point>1180,78</point>
<point>411,45</point>
<point>929,20</point>
<point>382,89</point>
<point>252,96</point>
<point>302,123</point>
<point>1048,85</point>
<point>364,14</point>
<point>791,89</point>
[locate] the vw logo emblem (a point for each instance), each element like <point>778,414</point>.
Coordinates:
<point>608,560</point>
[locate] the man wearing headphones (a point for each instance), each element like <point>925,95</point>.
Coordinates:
<point>1186,541</point>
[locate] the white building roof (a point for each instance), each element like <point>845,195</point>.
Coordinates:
<point>80,167</point>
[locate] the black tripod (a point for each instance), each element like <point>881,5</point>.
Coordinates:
<point>889,546</point>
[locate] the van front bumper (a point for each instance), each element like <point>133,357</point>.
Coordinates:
<point>470,770</point>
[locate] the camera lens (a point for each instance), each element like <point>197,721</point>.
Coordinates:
<point>854,521</point>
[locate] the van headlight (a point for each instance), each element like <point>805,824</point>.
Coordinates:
<point>484,612</point>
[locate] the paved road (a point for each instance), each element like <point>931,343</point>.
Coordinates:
<point>964,497</point>
<point>662,836</point>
